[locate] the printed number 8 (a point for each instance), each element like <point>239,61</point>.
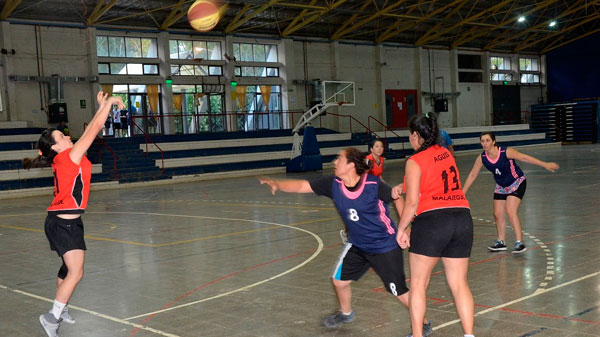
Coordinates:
<point>353,215</point>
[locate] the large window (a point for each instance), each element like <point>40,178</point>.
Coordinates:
<point>131,47</point>
<point>201,108</point>
<point>499,63</point>
<point>501,69</point>
<point>116,68</point>
<point>530,69</point>
<point>251,52</point>
<point>195,70</point>
<point>146,115</point>
<point>199,50</point>
<point>257,115</point>
<point>256,71</point>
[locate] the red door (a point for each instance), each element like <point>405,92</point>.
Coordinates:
<point>401,105</point>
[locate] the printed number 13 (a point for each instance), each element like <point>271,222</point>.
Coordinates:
<point>454,179</point>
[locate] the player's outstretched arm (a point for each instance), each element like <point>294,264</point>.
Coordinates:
<point>473,174</point>
<point>286,185</point>
<point>514,154</point>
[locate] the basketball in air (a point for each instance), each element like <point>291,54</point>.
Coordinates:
<point>203,15</point>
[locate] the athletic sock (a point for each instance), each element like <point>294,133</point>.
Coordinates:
<point>57,309</point>
<point>469,335</point>
<point>347,314</point>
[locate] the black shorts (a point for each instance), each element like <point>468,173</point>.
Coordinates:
<point>64,234</point>
<point>116,125</point>
<point>519,193</point>
<point>444,232</point>
<point>353,263</point>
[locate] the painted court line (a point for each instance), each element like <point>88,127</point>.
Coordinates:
<point>91,312</point>
<point>536,293</point>
<point>314,255</point>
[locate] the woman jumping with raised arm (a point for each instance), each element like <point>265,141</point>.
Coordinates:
<point>63,227</point>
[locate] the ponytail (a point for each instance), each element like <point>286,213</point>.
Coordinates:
<point>46,154</point>
<point>427,127</point>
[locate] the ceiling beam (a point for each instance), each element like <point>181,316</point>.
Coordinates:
<point>355,15</point>
<point>430,35</point>
<point>579,5</point>
<point>549,48</point>
<point>177,13</point>
<point>310,19</point>
<point>8,8</point>
<point>292,26</point>
<point>450,14</point>
<point>100,10</point>
<point>395,28</point>
<point>511,20</point>
<point>341,32</point>
<point>558,33</point>
<point>240,21</point>
<point>148,13</point>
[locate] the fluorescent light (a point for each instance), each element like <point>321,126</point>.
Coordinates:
<point>521,19</point>
<point>552,23</point>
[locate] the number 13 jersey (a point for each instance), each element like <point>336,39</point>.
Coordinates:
<point>440,182</point>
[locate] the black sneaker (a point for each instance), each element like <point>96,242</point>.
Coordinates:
<point>427,329</point>
<point>337,319</point>
<point>519,247</point>
<point>497,246</point>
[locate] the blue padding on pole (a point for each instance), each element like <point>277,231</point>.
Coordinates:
<point>310,159</point>
<point>310,145</point>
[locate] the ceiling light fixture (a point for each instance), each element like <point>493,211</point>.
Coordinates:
<point>521,19</point>
<point>552,23</point>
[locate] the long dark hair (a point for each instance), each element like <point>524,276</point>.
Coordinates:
<point>427,127</point>
<point>46,155</point>
<point>353,155</point>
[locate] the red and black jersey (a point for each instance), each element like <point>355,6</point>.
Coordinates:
<point>440,183</point>
<point>71,184</point>
<point>376,169</point>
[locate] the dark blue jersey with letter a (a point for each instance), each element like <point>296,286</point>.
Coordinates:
<point>505,170</point>
<point>370,227</point>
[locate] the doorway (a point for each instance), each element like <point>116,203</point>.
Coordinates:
<point>400,106</point>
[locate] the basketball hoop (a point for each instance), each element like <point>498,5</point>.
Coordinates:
<point>340,103</point>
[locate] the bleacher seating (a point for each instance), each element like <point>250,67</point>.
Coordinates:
<point>198,154</point>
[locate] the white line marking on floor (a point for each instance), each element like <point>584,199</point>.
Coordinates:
<point>314,255</point>
<point>536,293</point>
<point>94,313</point>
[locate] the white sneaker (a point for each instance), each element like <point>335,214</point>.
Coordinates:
<point>66,316</point>
<point>344,236</point>
<point>50,324</point>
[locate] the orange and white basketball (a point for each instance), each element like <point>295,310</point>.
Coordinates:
<point>203,15</point>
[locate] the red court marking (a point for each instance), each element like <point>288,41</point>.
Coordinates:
<point>501,256</point>
<point>516,311</point>
<point>195,290</point>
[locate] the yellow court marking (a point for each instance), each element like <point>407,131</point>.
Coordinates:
<point>156,245</point>
<point>238,204</point>
<point>237,233</point>
<point>22,228</point>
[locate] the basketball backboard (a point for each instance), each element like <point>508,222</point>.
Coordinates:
<point>338,92</point>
